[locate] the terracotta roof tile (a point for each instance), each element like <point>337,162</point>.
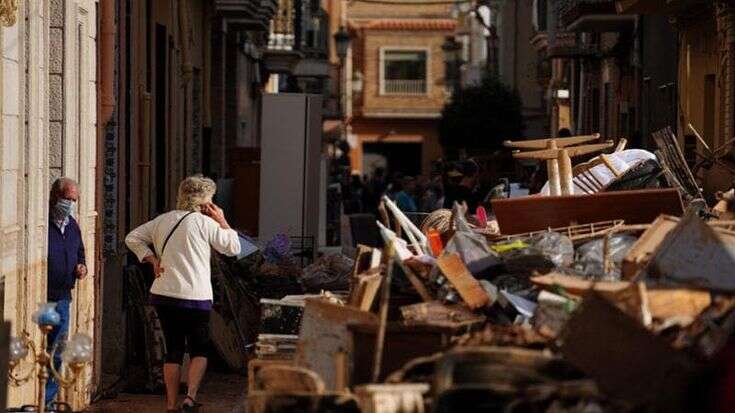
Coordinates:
<point>407,24</point>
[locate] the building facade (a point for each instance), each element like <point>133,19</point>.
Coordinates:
<point>189,77</point>
<point>49,129</point>
<point>607,73</point>
<point>395,85</point>
<point>704,90</point>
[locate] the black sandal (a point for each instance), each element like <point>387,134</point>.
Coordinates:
<point>190,408</point>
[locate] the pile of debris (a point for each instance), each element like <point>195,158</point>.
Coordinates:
<point>613,300</point>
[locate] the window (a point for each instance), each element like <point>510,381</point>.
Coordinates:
<point>404,72</point>
<point>541,22</point>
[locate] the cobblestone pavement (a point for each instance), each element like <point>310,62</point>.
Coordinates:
<point>219,393</point>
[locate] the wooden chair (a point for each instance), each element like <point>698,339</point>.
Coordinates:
<point>557,152</point>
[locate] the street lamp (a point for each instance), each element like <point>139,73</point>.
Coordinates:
<point>342,44</point>
<point>77,353</point>
<point>452,60</point>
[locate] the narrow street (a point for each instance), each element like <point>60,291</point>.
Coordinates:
<point>220,393</point>
<point>379,206</point>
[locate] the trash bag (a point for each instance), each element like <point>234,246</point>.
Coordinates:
<point>545,252</point>
<point>555,246</point>
<point>590,256</point>
<point>471,246</point>
<point>330,272</point>
<point>645,174</point>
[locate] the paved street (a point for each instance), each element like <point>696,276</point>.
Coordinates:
<point>220,393</point>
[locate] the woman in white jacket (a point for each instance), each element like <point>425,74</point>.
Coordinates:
<point>177,244</point>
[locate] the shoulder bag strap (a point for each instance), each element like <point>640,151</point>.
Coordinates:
<point>168,237</point>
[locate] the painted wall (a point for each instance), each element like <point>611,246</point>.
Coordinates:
<point>698,58</point>
<point>31,112</point>
<point>371,62</point>
<point>518,61</point>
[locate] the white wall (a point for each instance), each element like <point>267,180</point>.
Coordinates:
<point>24,160</point>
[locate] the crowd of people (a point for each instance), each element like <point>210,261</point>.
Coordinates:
<point>460,181</point>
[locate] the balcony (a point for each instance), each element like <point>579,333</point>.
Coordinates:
<point>566,46</point>
<point>298,38</point>
<point>281,54</point>
<point>658,6</point>
<point>247,14</point>
<point>594,16</point>
<point>404,87</point>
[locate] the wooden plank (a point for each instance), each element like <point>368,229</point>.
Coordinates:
<point>256,364</point>
<point>543,143</point>
<point>627,361</point>
<point>324,334</point>
<point>534,213</point>
<point>668,303</point>
<point>416,282</point>
<point>467,286</point>
<point>365,290</point>
<point>577,285</point>
<point>641,251</point>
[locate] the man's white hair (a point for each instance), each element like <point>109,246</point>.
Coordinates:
<point>194,192</point>
<point>59,186</point>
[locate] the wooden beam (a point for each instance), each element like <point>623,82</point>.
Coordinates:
<point>543,143</point>
<point>463,281</point>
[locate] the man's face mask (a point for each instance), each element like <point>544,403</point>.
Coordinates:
<point>64,208</point>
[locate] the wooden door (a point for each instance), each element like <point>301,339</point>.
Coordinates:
<point>244,167</point>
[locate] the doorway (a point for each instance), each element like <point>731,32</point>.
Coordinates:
<point>403,158</point>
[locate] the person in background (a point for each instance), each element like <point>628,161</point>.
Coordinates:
<point>354,202</point>
<point>404,197</point>
<point>451,179</point>
<point>432,198</point>
<point>66,264</point>
<point>564,133</point>
<point>465,190</point>
<point>374,190</point>
<point>178,245</point>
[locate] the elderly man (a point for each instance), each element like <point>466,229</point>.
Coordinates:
<point>66,262</point>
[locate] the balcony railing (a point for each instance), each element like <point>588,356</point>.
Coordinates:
<point>404,87</point>
<point>246,14</point>
<point>571,10</point>
<point>282,36</point>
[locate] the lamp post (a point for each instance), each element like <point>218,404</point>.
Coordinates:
<point>342,44</point>
<point>76,353</point>
<point>452,61</point>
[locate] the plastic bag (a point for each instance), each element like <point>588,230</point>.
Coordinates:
<point>471,247</point>
<point>590,256</point>
<point>545,252</point>
<point>555,246</point>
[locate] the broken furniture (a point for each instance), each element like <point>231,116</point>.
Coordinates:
<point>557,152</point>
<point>496,379</point>
<point>401,342</point>
<point>325,343</point>
<point>573,232</point>
<point>286,388</point>
<point>287,378</point>
<point>625,359</point>
<point>392,398</point>
<point>695,255</point>
<point>535,213</point>
<point>674,163</point>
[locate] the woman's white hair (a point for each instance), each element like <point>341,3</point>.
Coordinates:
<point>194,192</point>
